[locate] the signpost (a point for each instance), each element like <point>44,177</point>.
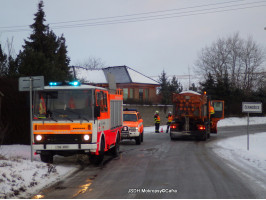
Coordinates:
<point>29,84</point>
<point>251,107</point>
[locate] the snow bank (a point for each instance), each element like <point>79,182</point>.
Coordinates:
<point>20,178</point>
<point>235,149</point>
<point>235,121</point>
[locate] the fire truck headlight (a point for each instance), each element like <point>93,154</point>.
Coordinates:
<point>86,137</point>
<point>38,137</point>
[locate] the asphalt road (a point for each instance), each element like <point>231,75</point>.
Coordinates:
<point>161,168</point>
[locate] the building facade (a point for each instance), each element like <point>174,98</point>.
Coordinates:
<point>137,87</point>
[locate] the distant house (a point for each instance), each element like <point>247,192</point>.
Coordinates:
<point>136,86</point>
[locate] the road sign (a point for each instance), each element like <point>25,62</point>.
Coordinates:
<point>251,107</point>
<point>36,81</point>
<point>30,84</point>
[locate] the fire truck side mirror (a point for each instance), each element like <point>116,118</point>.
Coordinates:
<point>97,111</point>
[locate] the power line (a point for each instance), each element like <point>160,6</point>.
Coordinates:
<point>128,15</point>
<point>146,13</point>
<point>129,19</point>
<point>152,18</point>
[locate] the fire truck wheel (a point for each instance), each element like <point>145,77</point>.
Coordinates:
<point>138,140</point>
<point>115,149</point>
<point>47,157</point>
<point>97,159</point>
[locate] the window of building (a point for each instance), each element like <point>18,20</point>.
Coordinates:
<point>131,93</point>
<point>146,94</point>
<point>141,94</point>
<point>125,93</point>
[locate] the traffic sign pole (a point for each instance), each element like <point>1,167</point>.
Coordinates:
<point>30,84</point>
<point>31,131</point>
<point>251,107</point>
<point>248,133</point>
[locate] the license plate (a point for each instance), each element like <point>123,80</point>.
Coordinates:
<point>125,134</point>
<point>62,147</point>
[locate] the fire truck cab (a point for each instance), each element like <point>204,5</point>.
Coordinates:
<point>76,119</point>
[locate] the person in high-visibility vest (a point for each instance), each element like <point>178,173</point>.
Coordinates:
<point>211,110</point>
<point>157,121</point>
<point>170,119</point>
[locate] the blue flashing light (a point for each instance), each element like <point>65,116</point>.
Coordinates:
<point>74,83</point>
<point>54,83</point>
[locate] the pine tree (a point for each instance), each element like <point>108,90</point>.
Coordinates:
<point>164,88</point>
<point>175,86</point>
<point>44,54</point>
<point>209,85</point>
<point>3,63</point>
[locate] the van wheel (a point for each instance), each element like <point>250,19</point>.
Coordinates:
<point>47,157</point>
<point>138,140</point>
<point>142,136</point>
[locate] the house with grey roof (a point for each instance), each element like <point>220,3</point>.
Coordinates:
<point>136,86</point>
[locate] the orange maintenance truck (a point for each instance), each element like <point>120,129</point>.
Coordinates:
<point>132,126</point>
<point>70,118</point>
<point>195,115</point>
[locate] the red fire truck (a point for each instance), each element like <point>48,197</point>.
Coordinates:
<point>72,119</point>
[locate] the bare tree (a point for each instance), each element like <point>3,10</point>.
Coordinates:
<point>92,63</point>
<point>237,59</point>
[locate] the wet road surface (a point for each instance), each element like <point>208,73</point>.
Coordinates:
<point>160,168</point>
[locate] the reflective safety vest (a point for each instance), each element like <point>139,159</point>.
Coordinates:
<point>157,119</point>
<point>211,110</point>
<point>170,118</point>
<point>42,107</point>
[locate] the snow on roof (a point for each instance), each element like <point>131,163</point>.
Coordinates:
<point>90,76</point>
<point>137,77</point>
<point>190,91</point>
<point>122,74</point>
<point>119,72</point>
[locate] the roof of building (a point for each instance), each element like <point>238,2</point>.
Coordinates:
<point>122,74</point>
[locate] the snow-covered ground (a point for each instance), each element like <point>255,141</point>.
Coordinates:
<point>21,178</point>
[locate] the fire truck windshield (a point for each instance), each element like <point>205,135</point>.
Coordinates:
<point>63,105</point>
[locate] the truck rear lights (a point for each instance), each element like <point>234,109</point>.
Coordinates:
<point>86,137</point>
<point>38,137</point>
<point>173,126</point>
<point>201,127</point>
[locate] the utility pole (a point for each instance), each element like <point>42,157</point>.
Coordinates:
<point>188,77</point>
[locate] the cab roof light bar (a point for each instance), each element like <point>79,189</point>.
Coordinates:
<point>69,83</point>
<point>55,83</point>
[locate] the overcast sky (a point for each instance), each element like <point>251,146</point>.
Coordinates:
<point>146,35</point>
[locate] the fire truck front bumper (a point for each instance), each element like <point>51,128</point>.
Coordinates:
<point>84,147</point>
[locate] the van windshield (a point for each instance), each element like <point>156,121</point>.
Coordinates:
<point>63,104</point>
<point>130,117</point>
